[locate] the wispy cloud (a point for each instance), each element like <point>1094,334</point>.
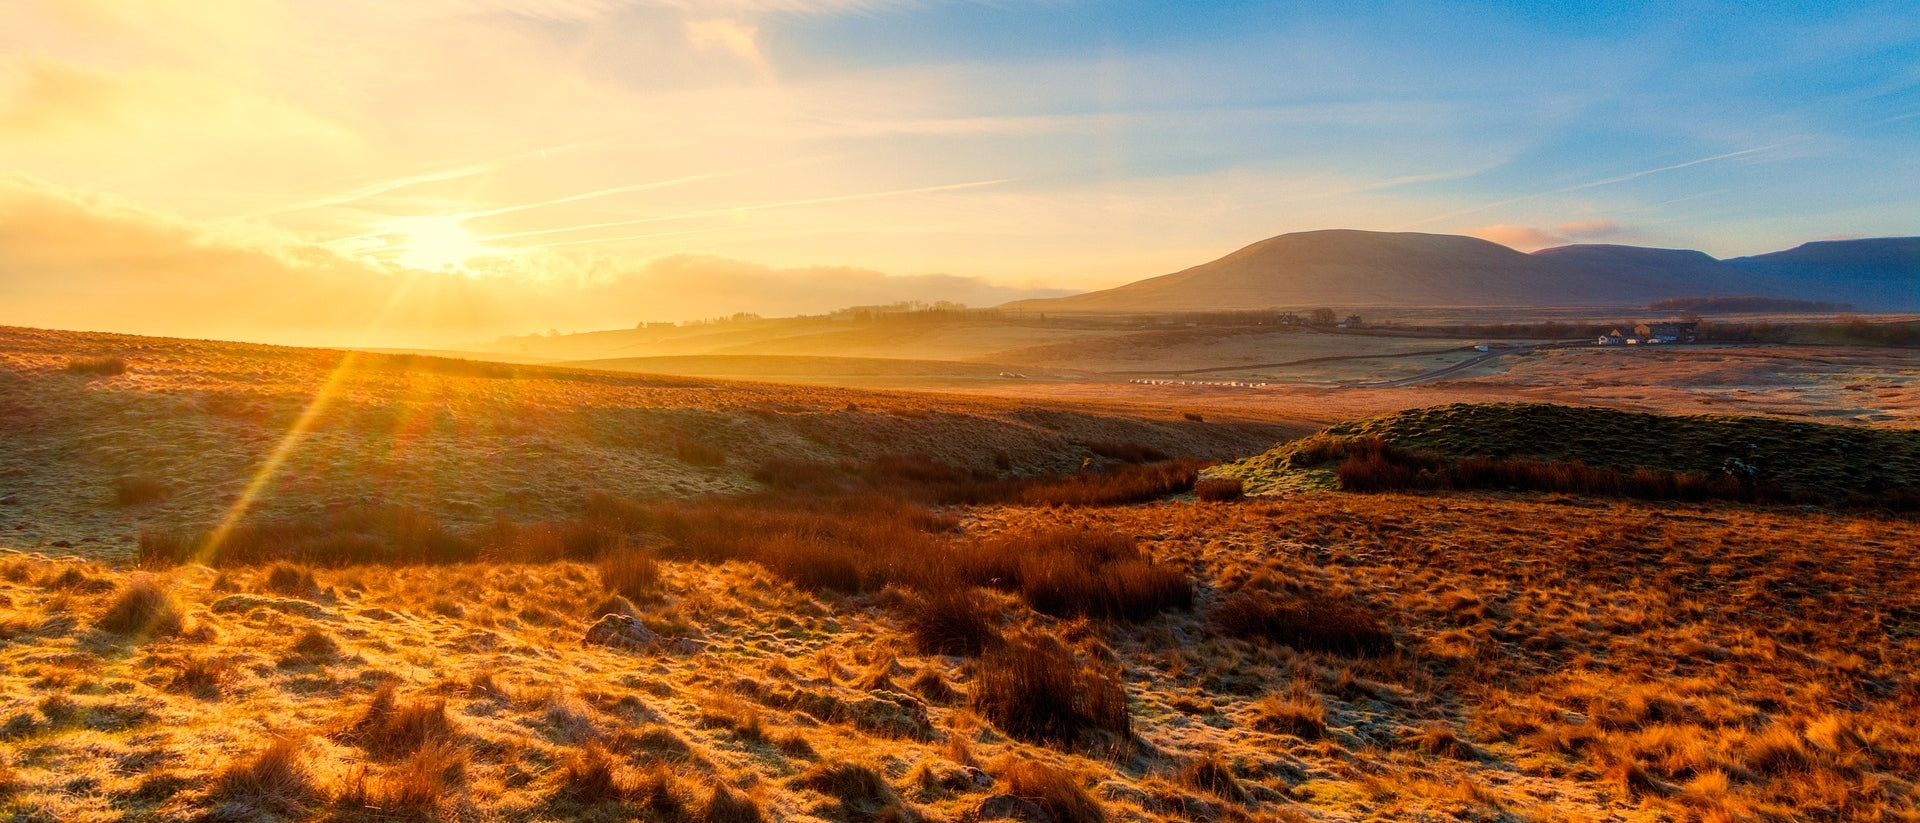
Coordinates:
<point>753,207</point>
<point>1587,185</point>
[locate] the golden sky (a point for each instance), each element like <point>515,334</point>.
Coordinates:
<point>421,171</point>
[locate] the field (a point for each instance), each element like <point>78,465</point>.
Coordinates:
<point>192,431</point>
<point>250,583</point>
<point>1319,375</point>
<point>1583,661</point>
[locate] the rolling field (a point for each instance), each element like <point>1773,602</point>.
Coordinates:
<point>312,585</point>
<point>190,431</point>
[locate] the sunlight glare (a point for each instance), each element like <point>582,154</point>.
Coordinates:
<point>432,243</point>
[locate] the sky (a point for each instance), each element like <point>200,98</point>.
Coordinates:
<point>437,171</point>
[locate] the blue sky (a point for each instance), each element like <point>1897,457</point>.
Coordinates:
<point>1005,145</point>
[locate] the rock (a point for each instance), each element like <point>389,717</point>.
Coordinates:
<point>965,779</point>
<point>1011,807</point>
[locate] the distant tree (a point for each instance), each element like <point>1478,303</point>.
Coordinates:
<point>1321,317</point>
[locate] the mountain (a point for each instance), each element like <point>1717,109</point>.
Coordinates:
<point>1880,272</point>
<point>1351,268</point>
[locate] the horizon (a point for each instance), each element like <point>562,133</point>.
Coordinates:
<point>406,174</point>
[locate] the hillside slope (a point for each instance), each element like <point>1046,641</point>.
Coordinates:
<point>1813,460</point>
<point>193,430</point>
<point>1882,272</point>
<point>1348,268</point>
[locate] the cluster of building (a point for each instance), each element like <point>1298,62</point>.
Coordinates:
<point>1648,334</point>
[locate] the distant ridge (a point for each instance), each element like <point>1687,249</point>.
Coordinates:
<point>1353,268</point>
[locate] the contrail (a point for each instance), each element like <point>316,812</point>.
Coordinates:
<point>624,237</point>
<point>374,190</point>
<point>632,187</point>
<point>737,209</point>
<point>1606,182</point>
<point>398,183</point>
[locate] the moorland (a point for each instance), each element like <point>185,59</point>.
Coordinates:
<point>245,582</point>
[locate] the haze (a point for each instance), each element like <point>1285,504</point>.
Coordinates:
<point>429,173</point>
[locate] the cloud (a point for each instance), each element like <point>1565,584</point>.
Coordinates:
<point>731,37</point>
<point>1533,238</point>
<point>71,260</point>
<point>1523,238</point>
<point>1589,229</point>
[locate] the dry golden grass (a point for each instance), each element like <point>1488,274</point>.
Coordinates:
<point>864,657</point>
<point>1552,660</point>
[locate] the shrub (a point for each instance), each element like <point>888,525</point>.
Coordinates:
<point>953,619</point>
<point>1118,486</point>
<point>1076,572</point>
<point>145,607</point>
<point>1056,791</point>
<point>1034,689</point>
<point>1220,489</point>
<point>362,535</point>
<point>107,366</point>
<point>131,490</point>
<point>1305,622</point>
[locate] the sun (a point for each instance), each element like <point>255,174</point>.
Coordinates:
<point>432,243</point>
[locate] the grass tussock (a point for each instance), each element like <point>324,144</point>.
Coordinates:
<point>1055,790</point>
<point>1300,714</point>
<point>278,781</point>
<point>859,792</point>
<point>592,776</point>
<point>390,728</point>
<point>1308,622</point>
<point>290,580</point>
<point>145,607</point>
<point>952,619</point>
<point>1036,689</point>
<point>425,785</point>
<point>633,574</point>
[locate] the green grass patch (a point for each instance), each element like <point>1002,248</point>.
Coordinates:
<point>1802,462</point>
